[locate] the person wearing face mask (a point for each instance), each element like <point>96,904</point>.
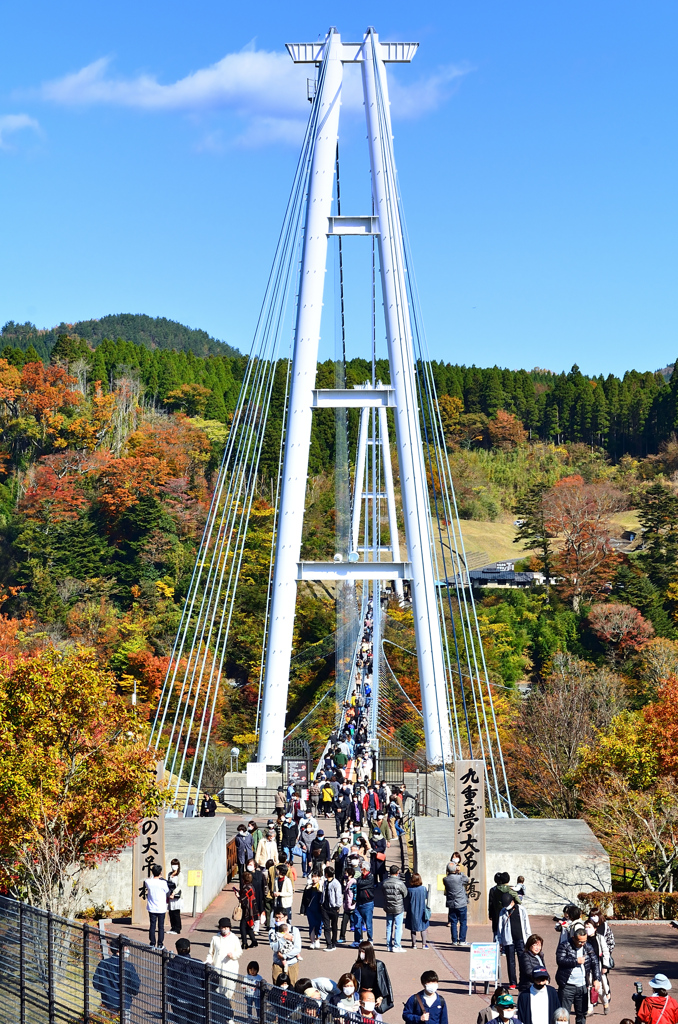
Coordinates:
<point>513,930</point>
<point>267,849</point>
<point>576,961</point>
<point>368,1007</point>
<point>506,1009</point>
<point>426,1005</point>
<point>175,904</point>
<point>106,980</point>
<point>538,1004</point>
<point>599,935</point>
<point>371,973</point>
<point>243,848</point>
<point>346,1000</point>
<point>308,834</point>
<point>224,956</point>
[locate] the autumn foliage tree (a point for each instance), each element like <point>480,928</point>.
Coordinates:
<point>75,775</point>
<point>505,431</point>
<point>579,515</point>
<point>621,626</point>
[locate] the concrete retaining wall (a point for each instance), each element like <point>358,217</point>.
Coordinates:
<point>198,843</point>
<point>559,858</point>
<point>259,803</point>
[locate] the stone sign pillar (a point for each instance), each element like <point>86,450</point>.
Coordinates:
<point>469,832</point>
<point>148,849</point>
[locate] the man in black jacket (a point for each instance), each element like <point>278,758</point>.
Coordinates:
<point>106,980</point>
<point>538,1004</point>
<point>289,837</point>
<point>576,961</point>
<point>186,985</point>
<point>364,905</point>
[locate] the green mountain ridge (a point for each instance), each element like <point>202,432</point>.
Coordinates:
<point>151,332</point>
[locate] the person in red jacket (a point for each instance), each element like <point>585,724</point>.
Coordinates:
<point>660,1007</point>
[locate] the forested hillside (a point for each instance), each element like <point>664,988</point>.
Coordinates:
<point>108,456</point>
<point>152,332</point>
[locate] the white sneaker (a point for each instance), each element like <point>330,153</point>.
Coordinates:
<point>398,949</point>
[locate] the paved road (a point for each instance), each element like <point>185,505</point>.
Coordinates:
<point>640,952</point>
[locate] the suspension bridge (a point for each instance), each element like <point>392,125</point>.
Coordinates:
<point>398,543</point>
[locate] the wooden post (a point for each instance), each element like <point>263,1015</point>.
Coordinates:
<point>469,832</point>
<point>148,849</point>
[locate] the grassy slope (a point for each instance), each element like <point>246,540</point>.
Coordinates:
<point>498,541</point>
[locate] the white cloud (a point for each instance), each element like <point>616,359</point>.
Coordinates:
<point>10,123</point>
<point>265,88</point>
<point>249,82</point>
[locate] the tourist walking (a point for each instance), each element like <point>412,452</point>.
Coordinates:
<point>285,941</point>
<point>331,905</point>
<point>364,905</point>
<point>456,900</point>
<point>512,931</point>
<point>243,848</point>
<point>267,849</point>
<point>660,1007</point>
<point>247,898</point>
<point>576,961</point>
<point>538,1003</point>
<point>600,937</point>
<point>224,956</point>
<point>529,960</point>
<point>371,973</point>
<point>395,894</point>
<point>418,913</point>
<point>348,890</point>
<point>186,985</point>
<point>311,906</point>
<point>426,1005</point>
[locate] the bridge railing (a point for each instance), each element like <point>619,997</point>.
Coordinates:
<point>55,970</point>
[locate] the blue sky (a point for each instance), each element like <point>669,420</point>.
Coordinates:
<point>147,149</point>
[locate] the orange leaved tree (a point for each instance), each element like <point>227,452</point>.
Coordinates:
<point>75,775</point>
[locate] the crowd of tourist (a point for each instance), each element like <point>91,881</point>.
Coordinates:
<point>342,878</point>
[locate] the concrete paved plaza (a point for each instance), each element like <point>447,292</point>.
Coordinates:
<point>641,950</point>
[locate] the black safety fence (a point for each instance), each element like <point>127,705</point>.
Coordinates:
<point>53,970</point>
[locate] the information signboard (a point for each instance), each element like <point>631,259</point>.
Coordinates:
<point>484,964</point>
<point>297,772</point>
<point>256,775</point>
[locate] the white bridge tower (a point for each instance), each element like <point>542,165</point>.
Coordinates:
<point>401,396</point>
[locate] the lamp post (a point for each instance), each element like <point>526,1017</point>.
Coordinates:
<point>235,752</point>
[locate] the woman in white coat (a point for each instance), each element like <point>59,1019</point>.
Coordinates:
<point>224,956</point>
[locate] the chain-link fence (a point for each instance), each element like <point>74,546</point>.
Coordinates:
<point>53,971</point>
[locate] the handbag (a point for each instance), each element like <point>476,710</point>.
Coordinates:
<point>236,914</point>
<point>381,856</point>
<point>297,851</point>
<point>427,912</point>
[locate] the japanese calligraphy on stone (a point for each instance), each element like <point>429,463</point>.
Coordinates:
<point>469,825</point>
